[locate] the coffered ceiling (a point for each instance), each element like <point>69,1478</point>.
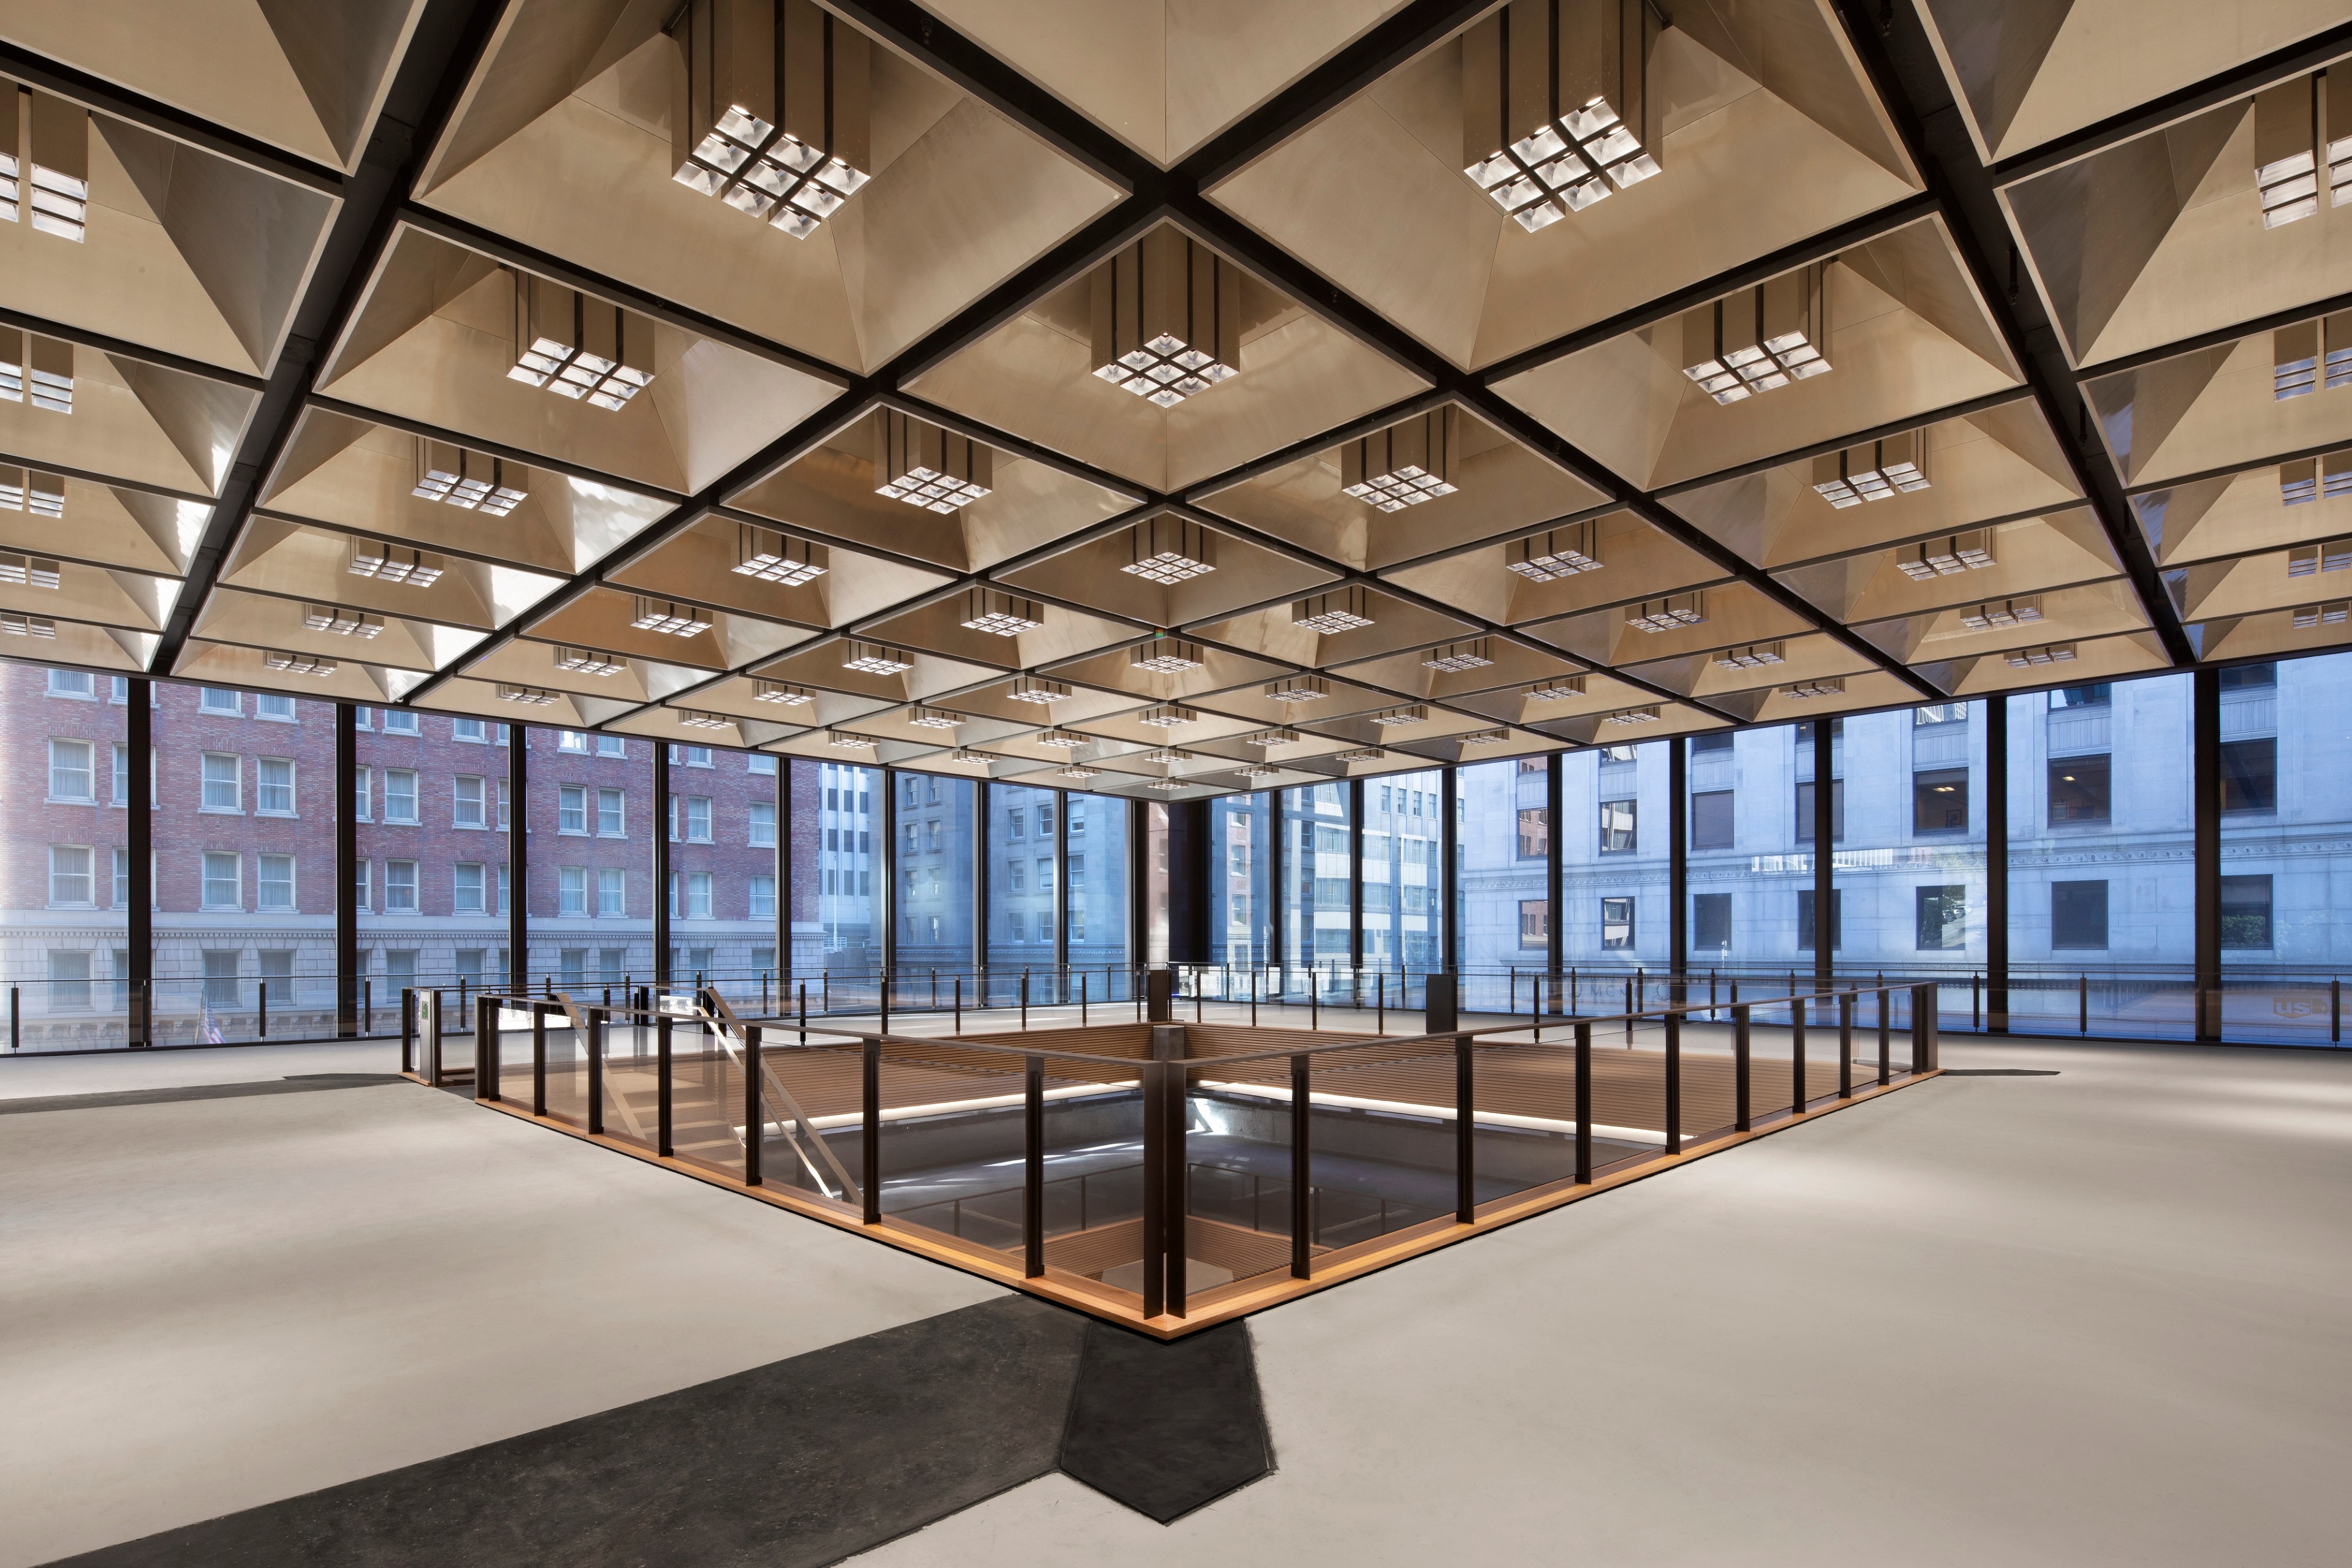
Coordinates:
<point>1180,396</point>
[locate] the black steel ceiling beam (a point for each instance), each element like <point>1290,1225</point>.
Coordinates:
<point>122,348</point>
<point>441,53</point>
<point>1905,72</point>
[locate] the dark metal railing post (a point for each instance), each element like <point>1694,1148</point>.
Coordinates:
<point>1845,1046</point>
<point>755,1111</point>
<point>869,1157</point>
<point>664,1101</point>
<point>1742,1111</point>
<point>1923,1045</point>
<point>407,1025</point>
<point>1797,1095</point>
<point>538,1062</point>
<point>958,1004</point>
<point>1884,1008</point>
<point>1033,1176</point>
<point>2083,1000</point>
<point>1301,1114</point>
<point>1673,1082</point>
<point>261,1013</point>
<point>1176,1186</point>
<point>2336,1008</point>
<point>367,1007</point>
<point>1584,1105</point>
<point>485,1048</point>
<point>1155,1194</point>
<point>596,1073</point>
<point>1466,1140</point>
<point>1025,999</point>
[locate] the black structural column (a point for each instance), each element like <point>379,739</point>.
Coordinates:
<point>1996,826</point>
<point>518,860</point>
<point>1824,852</point>
<point>1449,857</point>
<point>886,904</point>
<point>661,815</point>
<point>1679,862</point>
<point>1189,883</point>
<point>1556,920</point>
<point>1273,874</point>
<point>785,818</point>
<point>347,861</point>
<point>1061,884</point>
<point>1355,876</point>
<point>2206,813</point>
<point>139,932</point>
<point>983,804</point>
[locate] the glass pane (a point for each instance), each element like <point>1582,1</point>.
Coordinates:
<point>934,904</point>
<point>1503,902</point>
<point>1314,900</point>
<point>1240,921</point>
<point>849,949</point>
<point>2101,882</point>
<point>1021,903</point>
<point>591,817</point>
<point>1403,918</point>
<point>1098,872</point>
<point>1612,848</point>
<point>65,843</point>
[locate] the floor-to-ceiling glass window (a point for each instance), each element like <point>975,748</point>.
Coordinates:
<point>934,895</point>
<point>65,857</point>
<point>849,815</point>
<point>2102,873</point>
<point>591,819</point>
<point>1022,902</point>
<point>1097,866</point>
<point>245,863</point>
<point>1315,906</point>
<point>722,821</point>
<point>2286,804</point>
<point>1241,919</point>
<point>1613,867</point>
<point>1403,864</point>
<point>1504,901</point>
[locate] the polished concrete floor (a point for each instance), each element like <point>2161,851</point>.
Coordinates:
<point>2101,1317</point>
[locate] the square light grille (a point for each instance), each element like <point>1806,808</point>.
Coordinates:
<point>1267,740</point>
<point>1299,688</point>
<point>1829,686</point>
<point>770,555</point>
<point>1165,656</point>
<point>338,621</point>
<point>668,617</point>
<point>586,349</point>
<point>2002,612</point>
<point>1167,755</point>
<point>1361,754</point>
<point>42,367</point>
<point>1455,657</point>
<point>1557,689</point>
<point>924,466</point>
<point>1169,550</point>
<point>1166,319</point>
<point>2309,560</point>
<point>1754,656</point>
<point>771,112</point>
<point>1649,714</point>
<point>1758,340</point>
<point>19,570</point>
<point>2287,150</point>
<point>933,719</point>
<point>1970,551</point>
<point>1060,739</point>
<point>387,562</point>
<point>30,490</point>
<point>873,659</point>
<point>1343,611</point>
<point>1668,614</point>
<point>1001,614</point>
<point>297,664</point>
<point>1413,713</point>
<point>692,719</point>
<point>841,740</point>
<point>1029,689</point>
<point>60,156</point>
<point>1255,773</point>
<point>530,697</point>
<point>2310,478</point>
<point>589,662</point>
<point>1558,553</point>
<point>456,477</point>
<point>778,694</point>
<point>1576,73</point>
<point>2308,615</point>
<point>28,626</point>
<point>1487,737</point>
<point>1078,771</point>
<point>1878,472</point>
<point>1404,465</point>
<point>2054,653</point>
<point>1167,716</point>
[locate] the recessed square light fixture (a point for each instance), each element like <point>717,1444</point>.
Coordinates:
<point>962,755</point>
<point>2305,616</point>
<point>387,562</point>
<point>2054,653</point>
<point>1413,713</point>
<point>1670,614</point>
<point>770,113</point>
<point>771,557</point>
<point>1167,716</point>
<point>1558,553</point>
<point>2003,613</point>
<point>2329,555</point>
<point>1486,737</point>
<point>1827,686</point>
<point>922,465</point>
<point>456,477</point>
<point>1267,740</point>
<point>41,368</point>
<point>1404,465</point>
<point>1759,339</point>
<point>1361,754</point>
<point>841,740</point>
<point>59,153</point>
<point>1169,550</point>
<point>1555,113</point>
<point>30,490</point>
<point>933,719</point>
<point>668,617</point>
<point>297,664</point>
<point>1001,614</point>
<point>1299,688</point>
<point>1165,656</point>
<point>1060,739</point>
<point>587,349</point>
<point>1455,657</point>
<point>338,621</point>
<point>28,626</point>
<point>1166,319</point>
<point>1342,611</point>
<point>873,659</point>
<point>1167,755</point>
<point>1255,773</point>
<point>1947,556</point>
<point>1030,689</point>
<point>692,719</point>
<point>1878,472</point>
<point>1078,771</point>
<point>1753,657</point>
<point>1558,688</point>
<point>589,662</point>
<point>1171,785</point>
<point>1635,716</point>
<point>530,697</point>
<point>2290,146</point>
<point>21,571</point>
<point>780,695</point>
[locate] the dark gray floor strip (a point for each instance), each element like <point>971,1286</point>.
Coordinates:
<point>2001,1072</point>
<point>791,1465</point>
<point>305,1083</point>
<point>1166,1428</point>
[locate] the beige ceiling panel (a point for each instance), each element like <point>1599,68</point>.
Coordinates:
<point>670,723</point>
<point>1128,726</point>
<point>133,422</point>
<point>959,201</point>
<point>1477,287</point>
<point>259,620</point>
<point>2058,615</point>
<point>2272,634</point>
<point>220,664</point>
<point>2029,71</point>
<point>75,643</point>
<point>1561,701</point>
<point>1795,660</point>
<point>1493,744</point>
<point>523,662</point>
<point>2251,584</point>
<point>740,695</point>
<point>2107,658</point>
<point>97,594</point>
<point>2238,514</point>
<point>899,723</point>
<point>938,626</point>
<point>1416,673</point>
<point>2217,408</point>
<point>363,478</point>
<point>832,491</point>
<point>109,525</point>
<point>698,563</point>
<point>600,619</point>
<point>1647,719</point>
<point>2028,556</point>
<point>1500,486</point>
<point>1732,613</point>
<point>483,698</point>
<point>1243,573</point>
<point>1869,689</point>
<point>1637,562</point>
<point>709,408</point>
<point>2161,238</point>
<point>304,77</point>
<point>1395,623</point>
<point>1433,722</point>
<point>819,745</point>
<point>1993,465</point>
<point>822,666</point>
<point>292,560</point>
<point>1216,670</point>
<point>1338,699</point>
